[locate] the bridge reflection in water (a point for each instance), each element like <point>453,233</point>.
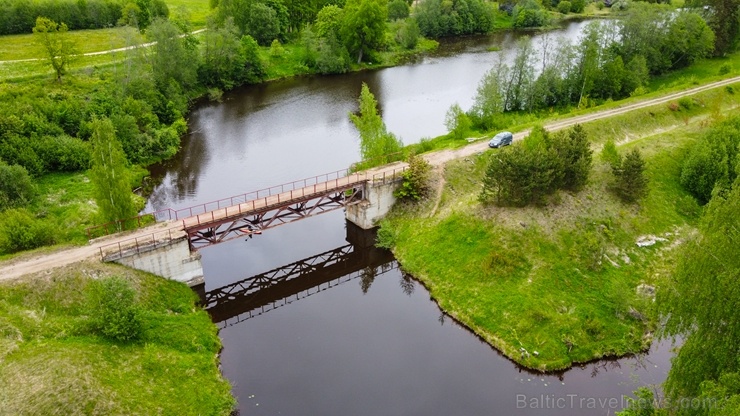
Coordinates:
<point>261,293</point>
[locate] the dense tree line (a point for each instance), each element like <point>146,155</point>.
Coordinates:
<point>440,18</point>
<point>19,16</point>
<point>611,60</point>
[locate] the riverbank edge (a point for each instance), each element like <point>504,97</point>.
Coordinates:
<point>509,350</point>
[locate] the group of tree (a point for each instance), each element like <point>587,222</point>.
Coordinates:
<point>19,16</point>
<point>527,172</point>
<point>611,60</point>
<point>440,18</point>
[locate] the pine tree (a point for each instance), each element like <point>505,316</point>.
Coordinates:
<point>631,183</point>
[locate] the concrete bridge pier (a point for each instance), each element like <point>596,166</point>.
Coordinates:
<point>377,202</point>
<point>170,259</point>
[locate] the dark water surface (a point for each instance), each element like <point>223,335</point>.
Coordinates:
<point>358,345</point>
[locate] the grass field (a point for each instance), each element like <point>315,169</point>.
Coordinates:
<point>53,364</point>
<point>555,285</point>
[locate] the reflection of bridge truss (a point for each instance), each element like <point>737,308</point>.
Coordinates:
<point>266,291</point>
<point>267,307</point>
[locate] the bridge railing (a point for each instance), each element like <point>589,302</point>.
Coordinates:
<point>388,176</point>
<point>136,245</point>
<point>132,223</point>
<point>261,194</point>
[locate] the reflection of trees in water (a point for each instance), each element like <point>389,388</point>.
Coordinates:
<point>367,278</point>
<point>407,284</point>
<point>178,177</point>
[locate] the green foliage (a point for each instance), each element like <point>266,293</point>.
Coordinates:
<point>408,33</point>
<point>363,26</point>
<point>441,18</point>
<point>725,69</point>
<point>574,152</point>
<point>458,123</point>
<point>641,405</point>
<point>20,231</point>
<point>416,178</point>
<point>16,188</point>
<point>19,15</point>
<point>712,163</point>
<point>528,171</point>
<point>610,154</point>
<point>254,68</point>
<point>699,304</point>
<point>174,60</point>
<point>529,13</point>
<point>523,173</point>
<point>725,23</point>
<point>577,6</point>
<point>630,183</point>
<point>263,23</point>
<point>377,145</point>
<point>109,174</point>
<point>114,310</point>
<point>564,7</point>
<point>223,61</point>
<point>398,9</point>
<point>55,43</point>
<point>329,21</point>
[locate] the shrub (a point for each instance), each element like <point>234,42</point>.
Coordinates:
<point>408,34</point>
<point>577,6</point>
<point>458,123</point>
<point>564,7</point>
<point>20,231</point>
<point>415,179</point>
<point>687,103</point>
<point>114,310</point>
<point>725,69</point>
<point>16,188</point>
<point>63,153</point>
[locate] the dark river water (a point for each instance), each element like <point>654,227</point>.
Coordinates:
<point>352,335</point>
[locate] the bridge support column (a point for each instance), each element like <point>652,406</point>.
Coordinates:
<point>172,260</point>
<point>377,203</point>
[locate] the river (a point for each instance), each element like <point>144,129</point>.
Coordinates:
<point>358,344</point>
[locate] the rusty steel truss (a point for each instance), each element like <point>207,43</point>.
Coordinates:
<point>250,221</point>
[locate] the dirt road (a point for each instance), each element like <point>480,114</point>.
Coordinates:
<point>38,263</point>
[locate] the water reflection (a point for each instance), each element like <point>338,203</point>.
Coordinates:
<point>382,346</point>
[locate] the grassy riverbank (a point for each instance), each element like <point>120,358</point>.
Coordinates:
<point>53,363</point>
<point>556,285</point>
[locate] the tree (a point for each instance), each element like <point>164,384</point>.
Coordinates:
<point>574,152</point>
<point>58,47</point>
<point>363,26</point>
<point>457,122</point>
<point>263,23</point>
<point>398,9</point>
<point>174,57</point>
<point>724,19</point>
<point>223,61</point>
<point>329,21</point>
<point>700,303</point>
<point>631,183</point>
<point>377,145</point>
<point>489,98</point>
<point>254,68</point>
<point>109,175</point>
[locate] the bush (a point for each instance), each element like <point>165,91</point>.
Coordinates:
<point>114,310</point>
<point>458,123</point>
<point>20,231</point>
<point>725,69</point>
<point>564,7</point>
<point>415,179</point>
<point>609,153</point>
<point>577,6</point>
<point>16,188</point>
<point>408,34</point>
<point>529,13</point>
<point>63,153</point>
<point>398,9</point>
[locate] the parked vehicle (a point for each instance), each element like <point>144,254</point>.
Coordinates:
<point>502,139</point>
